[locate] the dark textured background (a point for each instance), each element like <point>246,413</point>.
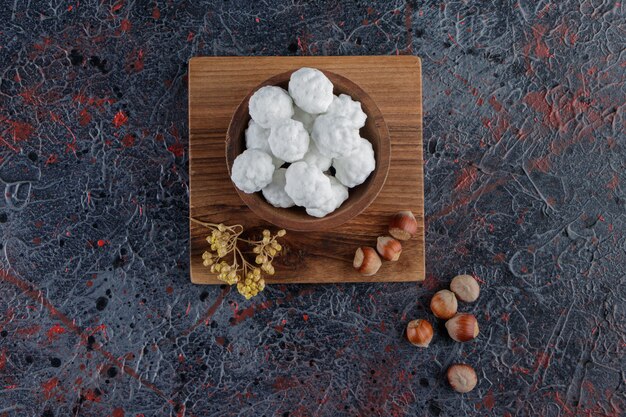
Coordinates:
<point>525,155</point>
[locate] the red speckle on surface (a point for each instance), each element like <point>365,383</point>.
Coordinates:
<point>489,400</point>
<point>126,25</point>
<point>256,19</point>
<point>118,412</point>
<point>19,131</point>
<point>3,359</point>
<point>28,331</point>
<point>89,283</point>
<point>466,178</point>
<point>430,283</point>
<point>54,332</point>
<point>614,183</point>
<point>169,290</point>
<point>135,61</point>
<point>542,360</point>
<point>128,140</point>
<point>84,117</point>
<point>177,149</point>
<point>90,395</point>
<point>52,159</point>
<point>540,164</point>
<point>101,243</point>
<point>497,106</point>
<point>120,119</point>
<point>156,13</point>
<point>49,386</point>
<point>117,6</point>
<point>99,103</point>
<point>537,101</point>
<point>190,36</point>
<point>220,340</point>
<point>305,317</point>
<point>541,49</point>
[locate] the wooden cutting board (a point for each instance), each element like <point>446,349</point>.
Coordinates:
<point>218,84</point>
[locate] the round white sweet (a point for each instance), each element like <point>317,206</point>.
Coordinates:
<point>355,168</point>
<point>270,104</point>
<point>315,158</point>
<point>306,185</point>
<point>257,138</point>
<point>307,119</point>
<point>335,136</point>
<point>275,193</point>
<point>311,90</point>
<point>289,140</point>
<point>339,195</point>
<point>343,105</point>
<point>252,170</point>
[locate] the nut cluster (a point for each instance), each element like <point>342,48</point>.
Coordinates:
<point>224,241</point>
<point>402,226</point>
<point>461,327</point>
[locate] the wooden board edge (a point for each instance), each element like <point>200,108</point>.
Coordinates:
<point>198,278</point>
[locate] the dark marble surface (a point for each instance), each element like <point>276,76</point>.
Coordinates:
<point>525,189</point>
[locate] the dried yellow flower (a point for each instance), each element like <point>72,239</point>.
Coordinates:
<point>224,244</point>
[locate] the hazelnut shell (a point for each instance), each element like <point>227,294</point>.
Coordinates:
<point>462,378</point>
<point>419,332</point>
<point>389,248</point>
<point>444,304</point>
<point>465,287</point>
<point>403,225</point>
<point>462,327</point>
<point>366,261</point>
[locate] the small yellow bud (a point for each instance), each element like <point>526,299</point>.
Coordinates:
<point>281,233</point>
<point>221,227</point>
<point>257,249</point>
<point>272,251</point>
<point>266,233</point>
<point>266,240</point>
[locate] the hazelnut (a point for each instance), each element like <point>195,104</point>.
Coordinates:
<point>462,327</point>
<point>465,287</point>
<point>366,261</point>
<point>443,304</point>
<point>462,377</point>
<point>403,225</point>
<point>389,248</point>
<point>419,332</point>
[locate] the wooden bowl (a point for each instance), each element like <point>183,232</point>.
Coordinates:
<point>360,197</point>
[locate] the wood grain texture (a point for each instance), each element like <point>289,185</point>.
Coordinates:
<point>216,87</point>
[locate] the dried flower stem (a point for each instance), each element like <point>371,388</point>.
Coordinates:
<point>224,240</point>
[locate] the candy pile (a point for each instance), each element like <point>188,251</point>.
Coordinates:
<point>295,141</point>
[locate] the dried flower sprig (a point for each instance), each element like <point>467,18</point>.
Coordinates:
<point>224,241</point>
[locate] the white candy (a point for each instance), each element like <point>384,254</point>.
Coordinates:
<point>252,170</point>
<point>348,108</point>
<point>257,138</point>
<point>289,140</point>
<point>315,158</point>
<point>311,90</point>
<point>339,195</point>
<point>269,105</point>
<point>354,169</point>
<point>335,136</point>
<point>307,119</point>
<point>275,192</point>
<point>307,186</point>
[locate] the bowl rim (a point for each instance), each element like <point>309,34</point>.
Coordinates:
<point>268,212</point>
